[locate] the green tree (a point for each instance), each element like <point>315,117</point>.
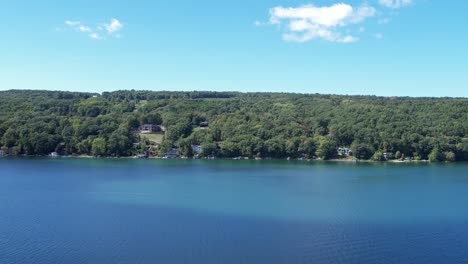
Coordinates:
<point>378,156</point>
<point>99,147</point>
<point>185,147</point>
<point>308,147</point>
<point>362,151</point>
<point>398,155</point>
<point>450,156</point>
<point>120,143</point>
<point>133,122</point>
<point>326,148</point>
<point>152,118</point>
<point>230,149</point>
<point>209,149</point>
<point>9,138</point>
<point>436,155</point>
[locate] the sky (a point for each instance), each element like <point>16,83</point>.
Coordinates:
<point>373,47</point>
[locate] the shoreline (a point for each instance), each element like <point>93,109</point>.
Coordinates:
<point>225,159</point>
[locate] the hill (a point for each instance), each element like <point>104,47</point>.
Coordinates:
<point>272,125</point>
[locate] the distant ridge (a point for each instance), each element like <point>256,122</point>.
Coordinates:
<point>263,125</point>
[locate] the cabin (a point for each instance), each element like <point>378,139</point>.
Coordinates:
<point>146,154</point>
<point>387,155</point>
<point>171,154</point>
<point>197,149</point>
<point>344,152</point>
<point>150,128</point>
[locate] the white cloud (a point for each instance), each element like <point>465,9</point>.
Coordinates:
<point>84,29</point>
<point>113,26</point>
<point>348,39</point>
<point>94,36</point>
<point>362,13</point>
<point>324,16</point>
<point>395,3</point>
<point>309,22</point>
<point>72,23</point>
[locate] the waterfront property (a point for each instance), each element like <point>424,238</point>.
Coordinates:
<point>344,152</point>
<point>171,154</point>
<point>197,149</point>
<point>387,155</point>
<point>150,128</point>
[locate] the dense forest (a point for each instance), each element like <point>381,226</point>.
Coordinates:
<point>267,125</point>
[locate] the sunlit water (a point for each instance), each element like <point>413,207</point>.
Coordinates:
<point>174,211</point>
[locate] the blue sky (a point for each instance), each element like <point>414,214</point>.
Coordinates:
<point>377,47</point>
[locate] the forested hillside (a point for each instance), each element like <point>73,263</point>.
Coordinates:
<point>239,124</point>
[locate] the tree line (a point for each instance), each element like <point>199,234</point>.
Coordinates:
<point>275,125</point>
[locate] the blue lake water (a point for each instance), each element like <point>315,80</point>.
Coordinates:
<point>192,211</point>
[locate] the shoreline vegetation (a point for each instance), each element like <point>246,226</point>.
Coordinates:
<point>215,158</point>
<point>233,125</point>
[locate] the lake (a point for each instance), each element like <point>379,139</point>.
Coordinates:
<point>193,211</point>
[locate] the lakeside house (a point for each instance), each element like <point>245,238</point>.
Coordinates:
<point>344,152</point>
<point>150,128</point>
<point>146,154</point>
<point>197,149</point>
<point>171,154</point>
<point>387,155</point>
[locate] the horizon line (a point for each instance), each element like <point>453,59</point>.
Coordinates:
<point>241,92</point>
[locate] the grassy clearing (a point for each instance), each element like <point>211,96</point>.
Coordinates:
<point>155,138</point>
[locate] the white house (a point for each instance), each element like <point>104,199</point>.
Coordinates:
<point>344,152</point>
<point>197,149</point>
<point>387,155</point>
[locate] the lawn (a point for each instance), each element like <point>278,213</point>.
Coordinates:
<point>155,138</point>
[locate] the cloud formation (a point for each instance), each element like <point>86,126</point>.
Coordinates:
<point>394,4</point>
<point>72,23</point>
<point>84,29</point>
<point>309,22</point>
<point>112,28</point>
<point>94,36</point>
